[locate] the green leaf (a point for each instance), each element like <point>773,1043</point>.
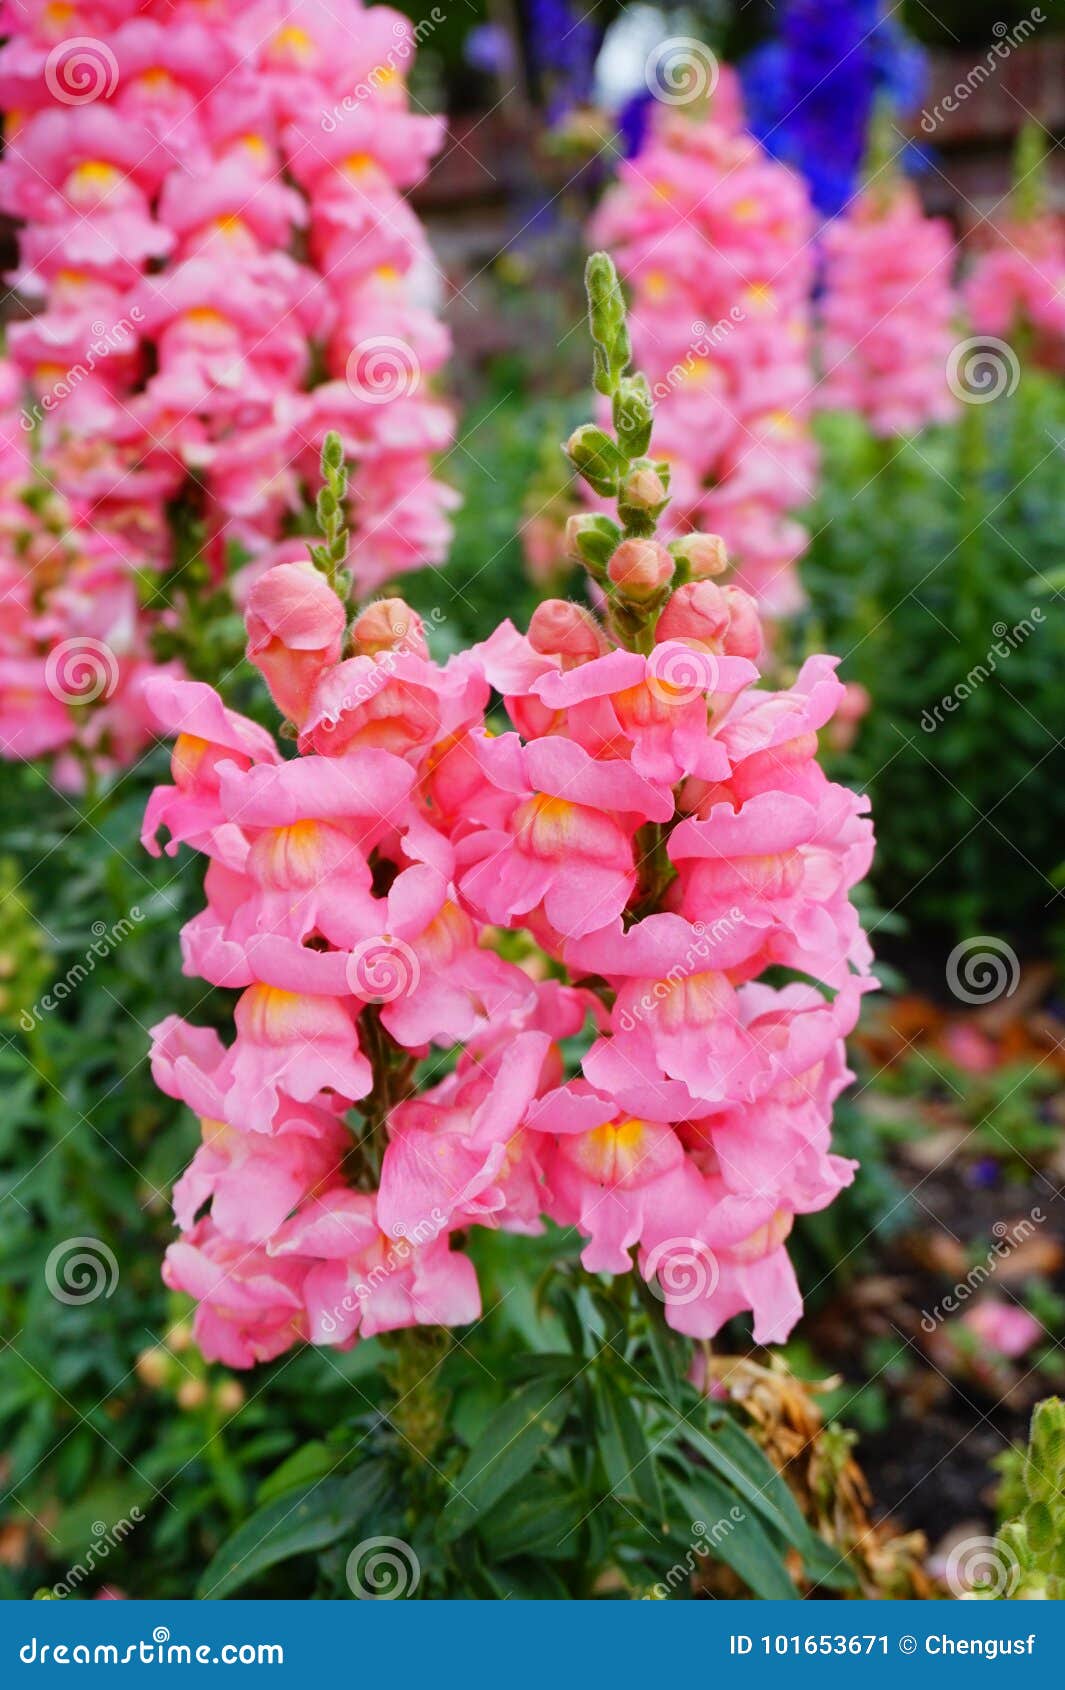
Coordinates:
<point>663,1346</point>
<point>307,1519</point>
<point>736,1456</point>
<point>730,1533</point>
<point>820,1560</point>
<point>310,1462</point>
<point>526,1581</point>
<point>542,1525</point>
<point>739,1460</point>
<point>626,1453</point>
<point>510,1445</point>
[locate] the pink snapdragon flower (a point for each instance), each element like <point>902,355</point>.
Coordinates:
<point>1017,285</point>
<point>168,165</point>
<point>352,893</point>
<point>886,314</point>
<point>74,646</point>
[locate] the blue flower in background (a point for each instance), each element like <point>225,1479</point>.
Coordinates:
<point>488,49</point>
<point>563,42</point>
<point>810,93</point>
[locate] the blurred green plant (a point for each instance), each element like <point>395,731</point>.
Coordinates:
<point>930,573</point>
<point>1006,1113</point>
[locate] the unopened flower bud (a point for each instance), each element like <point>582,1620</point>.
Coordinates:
<point>295,626</point>
<point>179,1337</point>
<point>718,619</point>
<point>191,1393</point>
<point>643,497</point>
<point>561,629</point>
<point>591,540</point>
<point>703,555</point>
<point>632,413</point>
<point>745,633</point>
<point>592,452</point>
<point>697,612</point>
<point>640,569</point>
<point>152,1367</point>
<point>645,490</point>
<point>842,730</point>
<point>229,1396</point>
<point>388,625</point>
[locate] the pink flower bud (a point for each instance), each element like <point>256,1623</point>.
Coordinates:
<point>721,619</point>
<point>745,638</point>
<point>645,490</point>
<point>542,544</point>
<point>295,625</point>
<point>561,629</point>
<point>575,526</point>
<point>697,611</point>
<point>640,568</point>
<point>705,555</point>
<point>389,625</point>
<point>842,730</point>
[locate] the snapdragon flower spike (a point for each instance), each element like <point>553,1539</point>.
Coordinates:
<point>1015,289</point>
<point>888,303</point>
<point>221,267</point>
<point>714,240</point>
<point>657,829</point>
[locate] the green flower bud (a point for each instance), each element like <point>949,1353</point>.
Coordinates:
<point>592,540</point>
<point>700,556</point>
<point>332,453</point>
<point>595,456</point>
<point>606,318</point>
<point>632,412</point>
